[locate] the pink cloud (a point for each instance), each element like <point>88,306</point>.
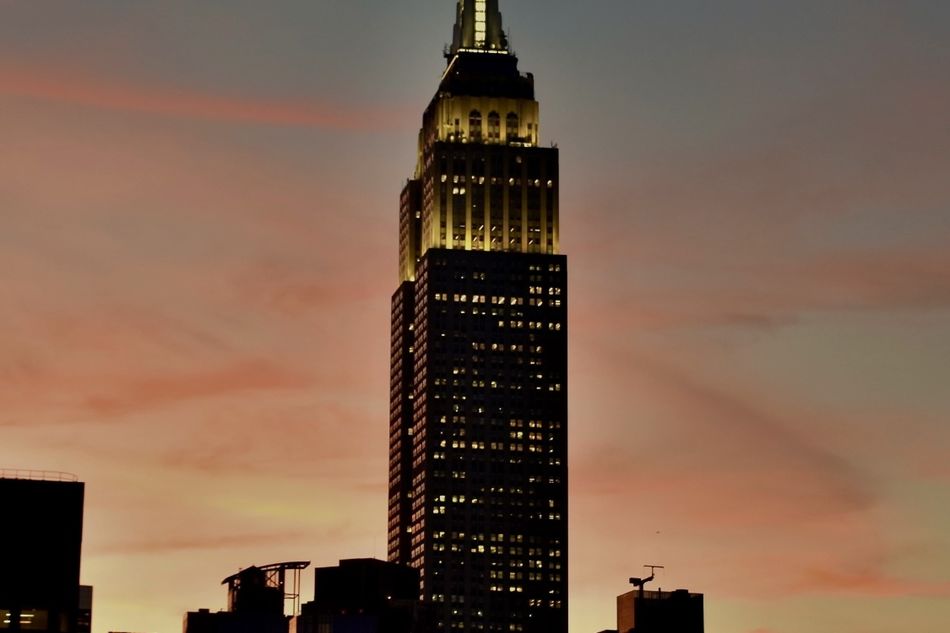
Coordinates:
<point>191,542</point>
<point>868,582</point>
<point>893,278</point>
<point>322,436</point>
<point>292,292</point>
<point>931,463</point>
<point>712,426</point>
<point>732,489</point>
<point>146,392</point>
<point>72,87</point>
<point>724,480</point>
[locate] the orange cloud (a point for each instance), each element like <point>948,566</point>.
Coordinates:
<point>325,436</point>
<point>154,391</point>
<point>868,582</point>
<point>705,478</point>
<point>723,434</point>
<point>74,88</point>
<point>890,278</point>
<point>292,292</point>
<point>166,545</point>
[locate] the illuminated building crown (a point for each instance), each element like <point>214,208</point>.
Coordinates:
<point>478,28</point>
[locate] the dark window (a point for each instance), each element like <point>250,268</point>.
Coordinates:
<point>494,126</point>
<point>475,125</point>
<point>511,126</point>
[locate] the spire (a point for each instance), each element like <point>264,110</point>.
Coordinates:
<point>478,27</point>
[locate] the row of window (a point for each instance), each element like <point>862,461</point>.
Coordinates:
<point>494,125</point>
<point>515,423</point>
<point>493,180</point>
<point>496,446</point>
<point>28,619</point>
<point>512,459</point>
<point>462,297</point>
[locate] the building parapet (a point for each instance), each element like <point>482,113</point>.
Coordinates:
<point>37,475</point>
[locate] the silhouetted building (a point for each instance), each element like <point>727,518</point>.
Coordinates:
<point>250,591</point>
<point>256,599</point>
<point>361,596</point>
<point>84,613</point>
<point>207,621</point>
<point>478,391</point>
<point>40,551</point>
<point>660,612</point>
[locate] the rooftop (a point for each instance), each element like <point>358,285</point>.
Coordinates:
<point>36,475</point>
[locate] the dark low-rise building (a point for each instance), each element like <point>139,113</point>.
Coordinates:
<point>207,621</point>
<point>677,611</point>
<point>362,595</point>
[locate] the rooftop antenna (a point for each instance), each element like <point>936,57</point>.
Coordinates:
<point>639,582</point>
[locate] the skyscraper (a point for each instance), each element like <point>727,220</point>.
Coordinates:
<point>478,392</point>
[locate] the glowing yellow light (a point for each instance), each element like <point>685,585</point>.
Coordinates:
<point>480,27</point>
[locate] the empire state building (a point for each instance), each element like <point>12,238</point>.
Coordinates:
<point>478,389</point>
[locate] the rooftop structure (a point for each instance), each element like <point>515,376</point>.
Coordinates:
<point>37,475</point>
<point>257,598</point>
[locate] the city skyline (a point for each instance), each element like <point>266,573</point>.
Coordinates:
<point>756,212</point>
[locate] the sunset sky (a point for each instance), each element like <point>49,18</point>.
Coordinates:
<point>198,205</point>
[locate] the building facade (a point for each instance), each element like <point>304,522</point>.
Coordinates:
<point>676,611</point>
<point>40,553</point>
<point>361,595</point>
<point>478,399</point>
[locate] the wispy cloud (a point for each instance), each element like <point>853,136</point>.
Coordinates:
<point>146,392</point>
<point>781,293</point>
<point>868,582</point>
<point>187,543</point>
<point>699,462</point>
<point>292,292</point>
<point>732,449</point>
<point>838,206</point>
<point>321,436</point>
<point>71,87</point>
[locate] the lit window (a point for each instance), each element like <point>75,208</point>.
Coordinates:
<point>33,619</point>
<point>480,27</point>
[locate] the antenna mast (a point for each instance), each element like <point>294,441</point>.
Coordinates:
<point>639,582</point>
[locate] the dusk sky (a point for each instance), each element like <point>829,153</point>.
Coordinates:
<point>198,206</point>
